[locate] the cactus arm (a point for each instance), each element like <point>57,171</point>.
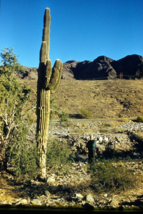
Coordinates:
<point>56,76</point>
<point>48,73</point>
<point>58,83</point>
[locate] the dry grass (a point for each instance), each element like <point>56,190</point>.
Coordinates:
<point>104,98</point>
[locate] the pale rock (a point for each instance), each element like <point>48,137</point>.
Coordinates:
<point>90,198</point>
<point>23,202</point>
<point>83,202</point>
<point>100,139</point>
<point>36,202</point>
<point>115,202</point>
<point>105,140</point>
<point>50,179</point>
<point>78,195</point>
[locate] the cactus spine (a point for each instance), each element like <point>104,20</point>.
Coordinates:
<point>48,82</point>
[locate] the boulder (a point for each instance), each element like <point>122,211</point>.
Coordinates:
<point>23,202</point>
<point>105,140</point>
<point>100,139</point>
<point>36,202</point>
<point>89,198</point>
<point>115,202</point>
<point>79,196</point>
<point>50,179</point>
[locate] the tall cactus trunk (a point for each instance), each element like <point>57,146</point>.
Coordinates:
<point>48,82</point>
<point>43,128</point>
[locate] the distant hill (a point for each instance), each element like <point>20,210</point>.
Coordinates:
<point>105,98</point>
<point>102,67</point>
<point>105,68</point>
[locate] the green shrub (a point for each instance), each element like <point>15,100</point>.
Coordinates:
<point>109,177</point>
<point>140,119</point>
<point>16,123</point>
<point>24,157</point>
<point>85,113</point>
<point>59,156</point>
<point>63,117</point>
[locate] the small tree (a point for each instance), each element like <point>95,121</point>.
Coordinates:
<point>15,112</point>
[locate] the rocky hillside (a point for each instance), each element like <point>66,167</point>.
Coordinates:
<point>104,96</point>
<point>105,68</point>
<point>102,67</point>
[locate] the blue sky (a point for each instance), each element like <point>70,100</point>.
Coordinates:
<point>80,29</point>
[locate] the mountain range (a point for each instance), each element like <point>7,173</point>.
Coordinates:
<point>102,67</point>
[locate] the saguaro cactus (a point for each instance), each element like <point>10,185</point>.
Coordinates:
<point>48,82</point>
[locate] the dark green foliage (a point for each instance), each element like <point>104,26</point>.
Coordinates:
<point>23,155</point>
<point>8,57</point>
<point>63,117</point>
<point>9,62</point>
<point>15,120</point>
<point>140,119</point>
<point>59,156</point>
<point>108,177</point>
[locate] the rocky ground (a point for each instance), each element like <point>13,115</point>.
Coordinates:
<point>70,192</point>
<point>74,190</point>
<point>118,139</point>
